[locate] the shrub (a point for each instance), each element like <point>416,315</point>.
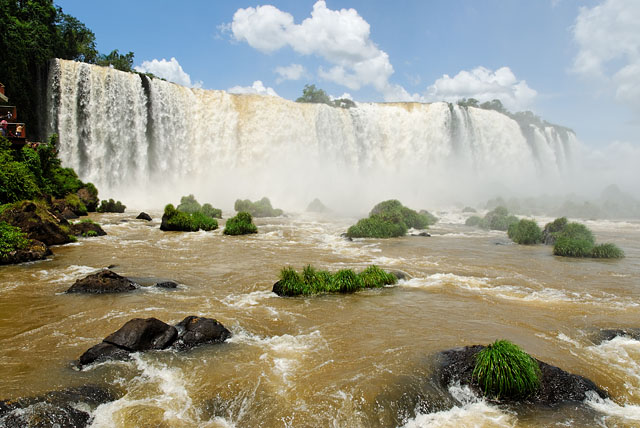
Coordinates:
<point>175,220</point>
<point>212,212</point>
<point>572,247</point>
<point>76,204</point>
<point>552,229</point>
<point>431,219</point>
<point>607,251</point>
<point>111,206</point>
<point>261,208</point>
<point>525,232</point>
<point>313,281</point>
<point>497,219</point>
<point>393,210</point>
<point>11,239</point>
<point>376,227</point>
<point>204,222</point>
<point>477,221</point>
<point>504,370</point>
<point>188,204</point>
<point>241,224</point>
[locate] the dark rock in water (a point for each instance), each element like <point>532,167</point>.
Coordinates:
<point>556,385</point>
<point>54,409</point>
<point>609,334</point>
<point>85,228</point>
<point>103,351</point>
<point>400,274</point>
<point>143,334</point>
<point>277,288</point>
<point>421,234</point>
<point>38,223</point>
<point>347,238</point>
<point>111,266</point>
<point>35,251</point>
<point>166,284</point>
<point>105,281</point>
<point>194,331</point>
<point>143,216</point>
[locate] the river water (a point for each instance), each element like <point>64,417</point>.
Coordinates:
<point>361,360</point>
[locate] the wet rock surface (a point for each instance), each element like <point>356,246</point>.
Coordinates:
<point>144,216</point>
<point>38,223</point>
<point>35,251</point>
<point>105,281</point>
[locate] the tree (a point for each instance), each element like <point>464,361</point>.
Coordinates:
<point>77,42</point>
<point>122,62</point>
<point>311,94</point>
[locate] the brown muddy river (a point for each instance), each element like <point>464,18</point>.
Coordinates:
<point>360,360</point>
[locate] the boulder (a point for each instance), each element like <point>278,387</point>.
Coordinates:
<point>166,284</point>
<point>426,234</point>
<point>35,251</point>
<point>65,408</point>
<point>556,385</point>
<point>609,334</point>
<point>105,281</point>
<point>143,334</point>
<point>144,216</point>
<point>86,228</point>
<point>38,223</point>
<point>400,274</point>
<point>63,209</point>
<point>89,198</point>
<point>194,331</point>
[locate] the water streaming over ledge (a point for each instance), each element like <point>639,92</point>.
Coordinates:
<point>125,131</point>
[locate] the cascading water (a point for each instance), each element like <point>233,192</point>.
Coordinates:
<point>134,135</point>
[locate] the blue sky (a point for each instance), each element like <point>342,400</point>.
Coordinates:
<point>575,63</point>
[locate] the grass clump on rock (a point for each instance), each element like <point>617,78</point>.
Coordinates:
<point>241,224</point>
<point>11,239</point>
<point>175,220</point>
<point>261,208</point>
<point>504,370</point>
<point>497,219</point>
<point>111,206</point>
<point>389,219</point>
<point>525,232</point>
<point>576,240</point>
<point>189,204</point>
<point>313,281</point>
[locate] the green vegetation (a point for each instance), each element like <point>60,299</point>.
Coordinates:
<point>576,240</point>
<point>313,281</point>
<point>311,94</point>
<point>525,232</point>
<point>261,208</point>
<point>76,204</point>
<point>497,219</point>
<point>210,211</point>
<point>111,206</point>
<point>241,224</point>
<point>504,370</point>
<point>35,173</point>
<point>389,219</point>
<point>189,205</point>
<point>184,222</point>
<point>33,32</point>
<point>468,210</point>
<point>11,239</point>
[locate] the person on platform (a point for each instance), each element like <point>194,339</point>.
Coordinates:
<point>3,128</point>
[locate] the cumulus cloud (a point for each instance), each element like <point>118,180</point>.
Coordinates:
<point>608,36</point>
<point>170,70</point>
<point>341,37</point>
<point>291,72</point>
<point>483,85</point>
<point>257,88</point>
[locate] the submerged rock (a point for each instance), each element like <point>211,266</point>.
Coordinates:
<point>556,385</point>
<point>610,334</point>
<point>144,334</point>
<point>195,331</point>
<point>105,281</point>
<point>86,228</point>
<point>65,408</point>
<point>166,284</point>
<point>143,216</point>
<point>35,251</point>
<point>400,274</point>
<point>426,234</point>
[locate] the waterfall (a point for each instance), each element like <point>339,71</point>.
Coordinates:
<point>135,136</point>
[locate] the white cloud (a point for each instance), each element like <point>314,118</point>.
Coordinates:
<point>291,72</point>
<point>608,36</point>
<point>483,85</point>
<point>170,70</point>
<point>341,37</point>
<point>257,88</point>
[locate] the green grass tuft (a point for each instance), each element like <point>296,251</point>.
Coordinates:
<point>181,221</point>
<point>525,232</point>
<point>241,224</point>
<point>374,277</point>
<point>346,281</point>
<point>11,239</point>
<point>504,370</point>
<point>607,251</point>
<point>389,219</point>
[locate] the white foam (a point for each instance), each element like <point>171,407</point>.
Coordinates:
<point>472,411</point>
<point>68,274</point>
<point>628,412</point>
<point>247,300</point>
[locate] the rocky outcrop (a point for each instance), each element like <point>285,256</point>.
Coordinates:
<point>556,385</point>
<point>66,408</point>
<point>166,284</point>
<point>38,223</point>
<point>87,228</point>
<point>195,331</point>
<point>89,197</point>
<point>35,251</point>
<point>610,334</point>
<point>143,216</point>
<point>140,334</point>
<point>105,281</point>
